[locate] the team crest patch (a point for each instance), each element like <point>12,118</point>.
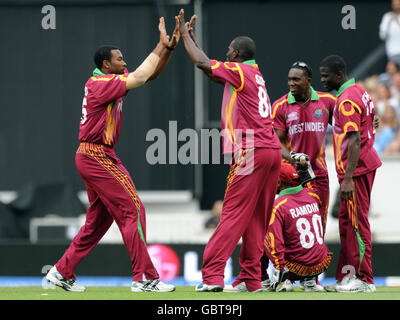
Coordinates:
<point>318,113</point>
<point>293,116</point>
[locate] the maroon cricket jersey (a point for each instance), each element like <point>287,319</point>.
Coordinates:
<point>246,110</point>
<point>295,231</point>
<point>354,111</point>
<point>102,108</point>
<point>306,126</point>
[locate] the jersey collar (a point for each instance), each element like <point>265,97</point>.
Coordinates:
<point>314,96</point>
<point>250,62</point>
<point>292,190</point>
<point>97,72</point>
<point>345,85</point>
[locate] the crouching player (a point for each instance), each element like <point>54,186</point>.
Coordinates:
<point>294,241</point>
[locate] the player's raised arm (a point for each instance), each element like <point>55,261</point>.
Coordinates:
<point>167,52</point>
<point>190,26</point>
<point>196,54</point>
<point>149,65</point>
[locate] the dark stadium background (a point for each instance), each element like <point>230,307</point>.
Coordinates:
<point>44,72</point>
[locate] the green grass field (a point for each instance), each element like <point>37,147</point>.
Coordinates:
<point>186,293</point>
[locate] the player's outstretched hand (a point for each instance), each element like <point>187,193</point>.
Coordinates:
<point>376,122</point>
<point>182,25</point>
<point>190,26</point>
<point>176,34</point>
<point>347,189</point>
<point>164,38</point>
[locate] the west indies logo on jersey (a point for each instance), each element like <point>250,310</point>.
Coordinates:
<point>293,116</point>
<point>318,113</point>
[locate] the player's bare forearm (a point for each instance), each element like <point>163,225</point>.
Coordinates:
<point>197,55</point>
<point>347,186</point>
<point>167,51</point>
<point>353,153</point>
<point>149,65</point>
<point>164,59</point>
<point>285,151</point>
<point>159,49</point>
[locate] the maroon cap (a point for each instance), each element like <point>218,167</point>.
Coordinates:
<point>289,174</point>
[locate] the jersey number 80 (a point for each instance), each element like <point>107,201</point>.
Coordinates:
<point>307,237</point>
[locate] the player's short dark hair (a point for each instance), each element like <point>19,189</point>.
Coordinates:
<point>245,46</point>
<point>101,54</point>
<point>334,63</point>
<point>303,66</point>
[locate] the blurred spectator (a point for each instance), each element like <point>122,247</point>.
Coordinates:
<point>386,77</point>
<point>371,85</point>
<point>387,129</point>
<point>389,31</point>
<point>394,147</point>
<point>383,94</point>
<point>216,211</point>
<point>394,101</point>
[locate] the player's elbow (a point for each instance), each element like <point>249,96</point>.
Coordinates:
<point>135,80</point>
<point>203,64</point>
<point>354,139</point>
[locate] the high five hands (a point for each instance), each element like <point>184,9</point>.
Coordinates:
<point>164,38</point>
<point>181,27</point>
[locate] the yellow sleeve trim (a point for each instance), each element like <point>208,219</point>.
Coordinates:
<point>103,78</point>
<point>215,66</point>
<point>277,106</point>
<point>274,210</point>
<point>315,196</point>
<point>114,76</point>
<point>272,250</point>
<point>339,140</point>
<point>241,78</point>
<point>327,95</point>
<point>352,110</point>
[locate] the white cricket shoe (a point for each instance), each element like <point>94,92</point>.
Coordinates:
<point>332,287</point>
<point>311,285</point>
<point>266,284</point>
<point>153,285</point>
<point>352,286</point>
<point>241,287</point>
<point>57,279</point>
<point>202,287</point>
<point>285,286</point>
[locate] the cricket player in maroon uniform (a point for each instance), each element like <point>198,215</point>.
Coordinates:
<point>111,191</point>
<point>301,118</point>
<point>251,185</point>
<point>356,162</point>
<point>294,241</point>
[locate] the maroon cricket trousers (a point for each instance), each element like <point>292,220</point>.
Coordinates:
<point>112,197</point>
<point>355,234</point>
<point>249,197</point>
<point>321,187</point>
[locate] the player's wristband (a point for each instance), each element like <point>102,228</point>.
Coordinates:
<point>170,48</point>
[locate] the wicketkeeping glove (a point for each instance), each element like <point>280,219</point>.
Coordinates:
<point>298,157</point>
<point>278,277</point>
<point>303,166</point>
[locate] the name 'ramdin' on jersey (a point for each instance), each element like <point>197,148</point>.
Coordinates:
<point>304,210</point>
